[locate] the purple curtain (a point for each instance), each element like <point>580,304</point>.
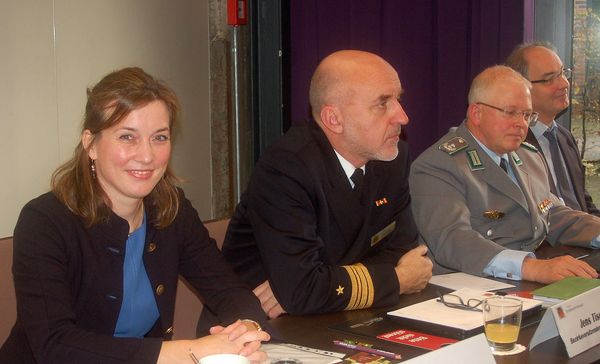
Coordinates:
<point>437,47</point>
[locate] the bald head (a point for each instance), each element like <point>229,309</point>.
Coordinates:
<point>338,75</point>
<point>355,100</point>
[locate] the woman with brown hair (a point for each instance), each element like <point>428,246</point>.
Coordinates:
<point>96,260</point>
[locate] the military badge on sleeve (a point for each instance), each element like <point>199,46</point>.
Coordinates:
<point>362,289</point>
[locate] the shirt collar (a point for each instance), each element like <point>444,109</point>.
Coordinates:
<point>347,166</point>
<point>495,157</point>
<point>540,128</point>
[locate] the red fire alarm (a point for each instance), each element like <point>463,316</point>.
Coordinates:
<point>237,12</point>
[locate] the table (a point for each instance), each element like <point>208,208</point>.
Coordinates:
<point>314,331</point>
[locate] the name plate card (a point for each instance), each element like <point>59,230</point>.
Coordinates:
<point>577,320</point>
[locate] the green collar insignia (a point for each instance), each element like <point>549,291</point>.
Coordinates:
<point>475,162</point>
<point>529,146</point>
<point>516,158</point>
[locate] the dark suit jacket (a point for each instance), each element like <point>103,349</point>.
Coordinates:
<point>69,284</point>
<point>300,226</point>
<point>575,168</point>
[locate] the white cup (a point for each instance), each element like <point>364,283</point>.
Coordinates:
<point>224,359</point>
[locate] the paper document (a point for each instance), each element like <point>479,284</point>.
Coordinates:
<point>435,312</point>
<point>460,280</point>
<point>474,350</point>
<point>290,353</point>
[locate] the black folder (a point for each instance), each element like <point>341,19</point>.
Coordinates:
<point>383,323</point>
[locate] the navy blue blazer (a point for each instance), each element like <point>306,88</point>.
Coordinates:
<point>69,284</point>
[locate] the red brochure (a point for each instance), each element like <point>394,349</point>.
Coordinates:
<point>524,294</point>
<point>416,339</point>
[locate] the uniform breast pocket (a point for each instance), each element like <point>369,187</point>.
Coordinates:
<point>492,228</point>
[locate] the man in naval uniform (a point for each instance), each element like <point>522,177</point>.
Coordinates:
<point>481,198</point>
<point>325,223</point>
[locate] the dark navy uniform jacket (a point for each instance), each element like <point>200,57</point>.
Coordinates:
<point>301,226</point>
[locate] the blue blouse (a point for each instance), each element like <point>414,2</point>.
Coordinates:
<point>138,309</point>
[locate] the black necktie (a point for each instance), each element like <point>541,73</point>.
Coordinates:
<point>563,186</point>
<point>358,177</point>
<point>504,165</point>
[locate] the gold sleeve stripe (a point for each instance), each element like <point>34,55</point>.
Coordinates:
<point>363,291</point>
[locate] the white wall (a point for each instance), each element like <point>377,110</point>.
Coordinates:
<point>52,50</point>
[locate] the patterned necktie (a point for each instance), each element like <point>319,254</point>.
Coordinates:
<point>358,177</point>
<point>563,185</point>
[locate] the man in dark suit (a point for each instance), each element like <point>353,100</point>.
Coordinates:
<point>325,224</point>
<point>539,63</point>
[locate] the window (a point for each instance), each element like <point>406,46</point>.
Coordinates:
<point>585,89</point>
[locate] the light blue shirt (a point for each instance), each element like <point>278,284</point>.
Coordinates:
<point>496,158</point>
<point>538,131</point>
<point>138,309</point>
<point>507,263</point>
